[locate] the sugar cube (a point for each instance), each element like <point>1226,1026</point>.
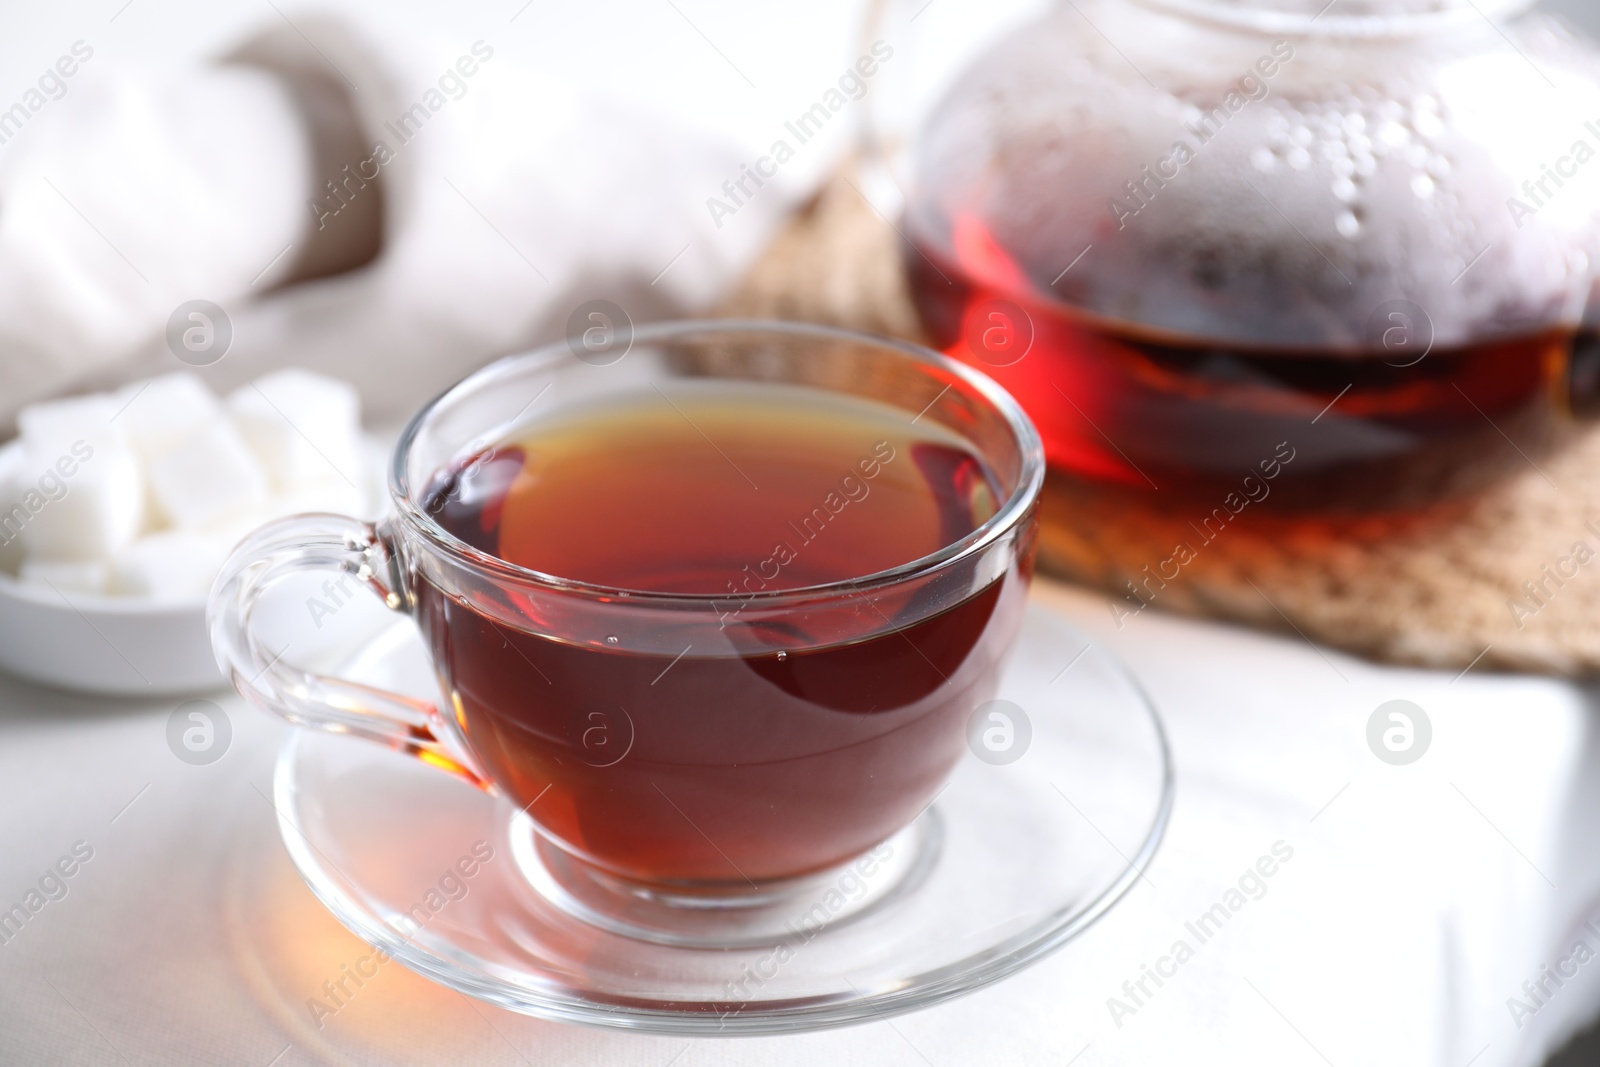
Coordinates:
<point>65,577</point>
<point>80,505</point>
<point>305,428</point>
<point>209,479</point>
<point>82,494</point>
<point>158,415</point>
<point>53,426</point>
<point>176,564</point>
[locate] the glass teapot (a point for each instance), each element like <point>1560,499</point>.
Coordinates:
<point>1351,243</point>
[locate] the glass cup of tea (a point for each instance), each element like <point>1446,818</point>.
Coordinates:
<point>710,604</point>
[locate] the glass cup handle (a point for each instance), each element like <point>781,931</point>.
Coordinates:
<point>324,542</point>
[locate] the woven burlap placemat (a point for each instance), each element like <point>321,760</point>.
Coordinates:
<point>1507,579</point>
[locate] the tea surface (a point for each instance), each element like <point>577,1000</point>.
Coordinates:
<point>687,492</point>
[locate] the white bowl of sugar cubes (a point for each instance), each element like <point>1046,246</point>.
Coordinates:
<point>117,511</point>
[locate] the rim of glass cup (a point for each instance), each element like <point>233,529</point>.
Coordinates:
<point>1030,478</point>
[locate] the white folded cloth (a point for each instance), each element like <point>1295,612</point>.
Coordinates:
<point>510,197</point>
<point>131,196</point>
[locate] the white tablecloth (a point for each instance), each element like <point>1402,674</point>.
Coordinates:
<point>1416,901</point>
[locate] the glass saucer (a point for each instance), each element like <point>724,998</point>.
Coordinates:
<point>1040,831</point>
